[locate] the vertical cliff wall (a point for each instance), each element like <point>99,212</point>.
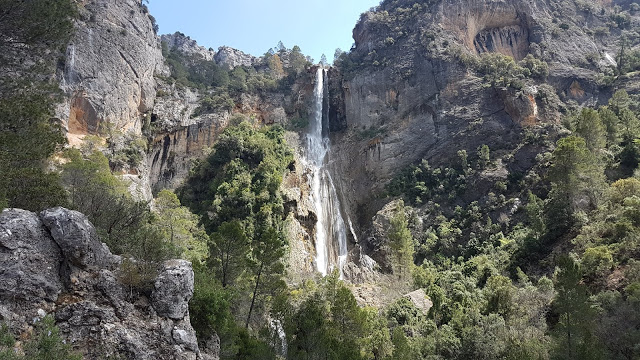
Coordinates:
<point>108,76</point>
<point>406,93</point>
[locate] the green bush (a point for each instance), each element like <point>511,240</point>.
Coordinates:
<point>44,344</point>
<point>217,102</point>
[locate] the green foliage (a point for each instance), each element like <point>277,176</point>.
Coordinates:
<point>574,338</point>
<point>325,322</point>
<point>47,343</point>
<point>214,103</point>
<point>130,154</point>
<point>209,308</point>
<point>27,139</point>
<point>401,242</point>
<point>179,227</point>
<point>103,198</point>
<point>44,344</point>
<point>127,226</point>
<point>589,126</point>
<point>534,68</point>
<point>40,24</point>
<point>483,156</point>
<point>421,183</point>
<point>240,180</point>
<point>236,190</point>
<point>503,71</point>
<point>577,178</point>
<point>33,33</point>
<point>229,249</point>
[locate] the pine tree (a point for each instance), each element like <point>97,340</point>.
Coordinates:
<point>573,333</point>
<point>401,241</point>
<point>589,126</point>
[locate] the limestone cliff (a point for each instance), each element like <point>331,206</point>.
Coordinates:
<point>188,46</point>
<point>111,61</point>
<point>53,263</point>
<point>404,93</point>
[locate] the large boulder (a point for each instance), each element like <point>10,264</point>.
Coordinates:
<point>55,264</point>
<point>77,238</point>
<point>173,289</point>
<point>420,300</point>
<point>29,260</point>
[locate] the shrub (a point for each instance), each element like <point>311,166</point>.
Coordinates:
<point>221,101</point>
<point>44,344</point>
<point>533,67</point>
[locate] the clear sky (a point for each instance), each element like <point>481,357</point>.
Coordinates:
<point>254,26</point>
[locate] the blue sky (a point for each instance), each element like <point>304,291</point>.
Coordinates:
<point>254,26</point>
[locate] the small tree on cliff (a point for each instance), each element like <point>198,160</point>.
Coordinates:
<point>401,242</point>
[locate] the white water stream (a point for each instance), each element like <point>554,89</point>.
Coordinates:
<point>331,235</point>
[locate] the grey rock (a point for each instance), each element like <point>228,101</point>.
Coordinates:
<point>412,99</point>
<point>76,282</point>
<point>230,58</point>
<point>420,300</point>
<point>185,337</point>
<point>211,348</point>
<point>30,262</point>
<point>77,238</point>
<point>377,243</point>
<point>110,66</point>
<point>184,44</point>
<point>172,152</point>
<point>173,289</point>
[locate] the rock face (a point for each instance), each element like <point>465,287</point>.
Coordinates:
<point>53,263</point>
<point>173,289</point>
<point>110,67</point>
<point>230,57</point>
<point>173,152</point>
<point>407,96</point>
<point>184,44</point>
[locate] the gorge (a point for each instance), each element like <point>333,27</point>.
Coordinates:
<point>462,183</point>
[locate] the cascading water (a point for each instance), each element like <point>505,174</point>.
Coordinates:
<point>330,226</point>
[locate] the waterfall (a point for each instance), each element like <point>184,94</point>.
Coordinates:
<point>331,235</point>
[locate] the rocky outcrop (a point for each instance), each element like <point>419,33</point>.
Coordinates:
<point>172,153</point>
<point>184,44</point>
<point>109,70</point>
<point>230,58</point>
<point>53,263</point>
<point>420,300</point>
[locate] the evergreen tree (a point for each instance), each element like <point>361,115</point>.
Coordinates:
<point>573,332</point>
<point>268,268</point>
<point>179,227</point>
<point>589,126</point>
<point>577,179</point>
<point>229,249</point>
<point>612,125</point>
<point>401,241</point>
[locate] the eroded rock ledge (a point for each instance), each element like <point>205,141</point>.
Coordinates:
<point>53,263</point>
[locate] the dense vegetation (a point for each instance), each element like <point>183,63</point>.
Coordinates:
<point>221,86</point>
<point>470,257</point>
<point>36,30</point>
<point>236,191</point>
